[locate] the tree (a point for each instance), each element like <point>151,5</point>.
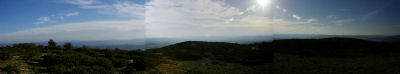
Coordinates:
<point>68,46</point>
<point>52,44</point>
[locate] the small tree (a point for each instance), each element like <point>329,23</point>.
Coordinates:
<point>68,46</point>
<point>52,44</point>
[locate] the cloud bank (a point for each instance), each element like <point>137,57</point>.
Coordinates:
<point>84,31</point>
<point>198,18</point>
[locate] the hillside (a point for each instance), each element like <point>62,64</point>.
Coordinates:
<point>229,52</point>
<point>301,56</point>
<point>327,55</point>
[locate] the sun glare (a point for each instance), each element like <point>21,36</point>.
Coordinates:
<point>263,3</point>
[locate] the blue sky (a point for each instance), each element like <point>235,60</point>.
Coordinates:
<point>248,17</point>
<point>380,16</point>
<point>20,15</point>
<point>39,20</point>
<point>63,20</point>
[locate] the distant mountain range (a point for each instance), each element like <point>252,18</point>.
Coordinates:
<point>161,42</point>
<point>149,43</point>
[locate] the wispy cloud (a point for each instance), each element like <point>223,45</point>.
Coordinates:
<point>119,8</point>
<point>42,20</point>
<point>72,14</point>
<point>343,21</point>
<point>171,18</point>
<point>47,19</point>
<point>281,26</point>
<point>375,12</point>
<point>190,18</point>
<point>333,17</point>
<point>312,20</point>
<point>128,9</point>
<point>96,6</point>
<point>95,30</point>
<point>80,2</point>
<point>370,14</point>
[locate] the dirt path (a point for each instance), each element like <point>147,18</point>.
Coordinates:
<point>167,65</point>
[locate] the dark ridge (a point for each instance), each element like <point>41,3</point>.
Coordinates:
<point>188,44</point>
<point>333,47</point>
<point>229,52</point>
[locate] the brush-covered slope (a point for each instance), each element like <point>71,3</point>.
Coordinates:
<point>229,52</point>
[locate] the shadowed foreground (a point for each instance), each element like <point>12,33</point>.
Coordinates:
<point>304,56</point>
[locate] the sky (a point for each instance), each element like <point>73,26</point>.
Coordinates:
<point>71,20</point>
<point>86,20</point>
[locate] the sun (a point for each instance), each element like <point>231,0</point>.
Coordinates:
<point>263,3</point>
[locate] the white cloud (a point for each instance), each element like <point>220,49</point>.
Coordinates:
<point>96,6</point>
<point>119,8</point>
<point>370,14</point>
<point>168,18</point>
<point>42,20</point>
<point>80,2</point>
<point>191,18</point>
<point>47,19</point>
<point>96,30</point>
<point>341,22</point>
<point>333,17</point>
<point>281,26</point>
<point>128,9</point>
<point>312,20</point>
<point>73,14</point>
